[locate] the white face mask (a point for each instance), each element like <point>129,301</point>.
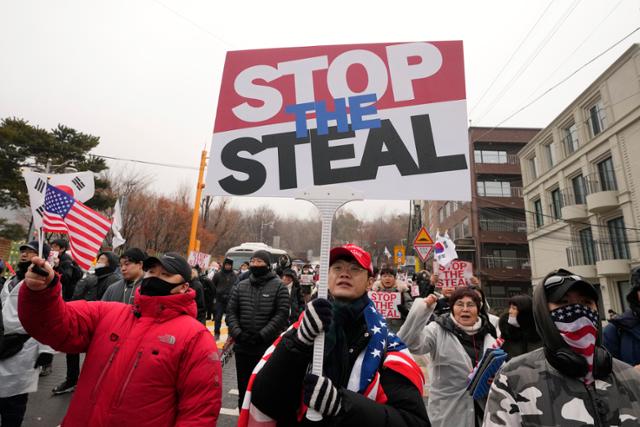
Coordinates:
<point>513,321</point>
<point>99,265</point>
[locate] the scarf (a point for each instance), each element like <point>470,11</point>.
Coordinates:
<point>578,326</point>
<point>469,330</point>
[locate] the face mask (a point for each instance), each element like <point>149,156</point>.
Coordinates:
<point>155,287</point>
<point>513,321</point>
<point>23,266</point>
<point>578,326</point>
<point>259,271</point>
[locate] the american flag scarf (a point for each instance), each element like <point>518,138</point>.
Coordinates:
<point>383,349</point>
<point>578,326</point>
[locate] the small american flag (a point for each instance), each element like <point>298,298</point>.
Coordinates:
<point>86,228</point>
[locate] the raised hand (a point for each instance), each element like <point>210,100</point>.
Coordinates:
<point>39,275</point>
<point>317,318</point>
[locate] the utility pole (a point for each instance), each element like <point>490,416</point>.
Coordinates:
<point>196,205</point>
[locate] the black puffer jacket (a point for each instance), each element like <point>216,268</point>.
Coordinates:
<point>223,282</point>
<point>258,305</point>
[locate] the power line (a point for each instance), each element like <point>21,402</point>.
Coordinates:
<point>560,82</point>
<point>513,54</point>
<point>168,165</point>
<point>533,56</point>
<point>195,24</point>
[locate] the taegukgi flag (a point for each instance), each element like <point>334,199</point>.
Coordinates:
<point>79,185</point>
<point>387,120</point>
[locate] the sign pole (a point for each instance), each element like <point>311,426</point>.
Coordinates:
<point>196,205</point>
<point>328,199</point>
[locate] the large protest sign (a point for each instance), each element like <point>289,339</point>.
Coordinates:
<point>386,303</point>
<point>387,120</point>
<point>457,273</point>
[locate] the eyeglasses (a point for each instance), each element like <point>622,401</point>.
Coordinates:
<point>460,304</point>
<point>554,281</point>
<point>350,268</point>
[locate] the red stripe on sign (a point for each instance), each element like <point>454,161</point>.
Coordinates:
<point>276,80</point>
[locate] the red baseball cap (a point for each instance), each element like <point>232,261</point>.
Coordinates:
<point>361,256</point>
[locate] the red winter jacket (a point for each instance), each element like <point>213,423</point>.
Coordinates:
<point>151,364</point>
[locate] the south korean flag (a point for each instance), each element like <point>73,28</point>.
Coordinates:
<point>79,185</point>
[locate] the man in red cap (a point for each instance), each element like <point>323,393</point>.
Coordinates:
<point>369,376</point>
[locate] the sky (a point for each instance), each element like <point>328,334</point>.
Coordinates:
<point>144,75</point>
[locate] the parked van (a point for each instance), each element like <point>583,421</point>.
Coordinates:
<point>242,253</point>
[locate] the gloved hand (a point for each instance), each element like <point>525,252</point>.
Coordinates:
<point>321,395</point>
<point>317,318</point>
<point>44,359</point>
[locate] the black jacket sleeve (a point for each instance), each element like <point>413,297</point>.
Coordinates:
<point>277,387</point>
<point>65,269</point>
<point>281,315</point>
<point>202,310</point>
<point>404,406</point>
<point>231,316</point>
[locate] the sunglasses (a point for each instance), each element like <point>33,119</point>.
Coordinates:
<point>554,281</point>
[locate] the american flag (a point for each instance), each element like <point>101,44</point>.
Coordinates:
<point>384,348</point>
<point>578,324</point>
<point>86,228</point>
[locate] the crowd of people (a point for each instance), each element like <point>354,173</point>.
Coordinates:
<point>150,360</point>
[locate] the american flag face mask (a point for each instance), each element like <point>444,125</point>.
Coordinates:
<point>578,326</point>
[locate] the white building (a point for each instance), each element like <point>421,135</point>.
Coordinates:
<point>581,179</point>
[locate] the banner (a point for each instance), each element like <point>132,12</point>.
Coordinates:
<point>79,185</point>
<point>386,303</point>
<point>388,120</point>
<point>457,273</point>
<point>199,258</point>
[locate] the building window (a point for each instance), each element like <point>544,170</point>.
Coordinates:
<point>607,175</point>
<point>466,232</point>
<point>587,246</point>
<point>441,215</point>
<point>618,237</point>
<point>624,287</point>
<point>556,198</point>
<point>579,190</point>
<point>537,208</point>
<point>596,118</point>
<point>490,156</point>
<point>551,154</point>
<point>571,138</point>
<point>494,188</point>
<point>533,166</point>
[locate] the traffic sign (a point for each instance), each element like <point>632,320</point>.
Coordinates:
<point>398,255</point>
<point>423,238</point>
<point>423,251</point>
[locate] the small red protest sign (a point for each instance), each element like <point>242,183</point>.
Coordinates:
<point>457,273</point>
<point>386,303</point>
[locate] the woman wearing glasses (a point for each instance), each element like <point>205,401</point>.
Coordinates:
<point>453,343</point>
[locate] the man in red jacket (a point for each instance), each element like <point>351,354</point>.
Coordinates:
<point>150,364</point>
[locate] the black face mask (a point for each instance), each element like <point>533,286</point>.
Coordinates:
<point>101,271</point>
<point>155,287</point>
<point>23,266</point>
<point>259,271</point>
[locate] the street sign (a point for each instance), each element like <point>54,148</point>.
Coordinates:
<point>398,255</point>
<point>423,244</point>
<point>423,251</point>
<point>423,238</point>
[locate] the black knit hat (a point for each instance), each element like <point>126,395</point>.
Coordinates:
<point>134,255</point>
<point>227,261</point>
<point>263,255</point>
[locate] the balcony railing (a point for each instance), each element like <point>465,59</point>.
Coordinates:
<point>593,183</point>
<point>503,225</point>
<point>507,263</point>
<point>602,250</point>
<point>579,255</point>
<point>505,192</point>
